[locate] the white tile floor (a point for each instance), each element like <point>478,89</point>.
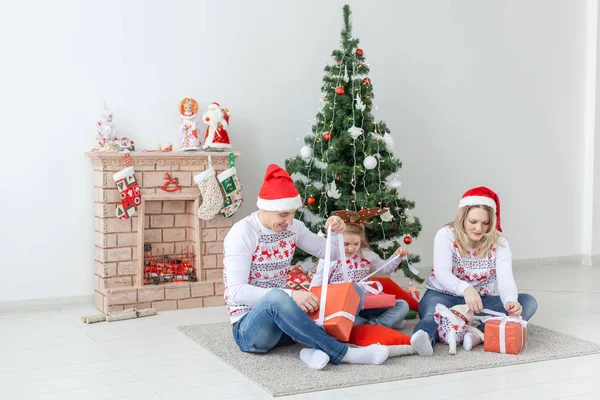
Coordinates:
<point>47,353</point>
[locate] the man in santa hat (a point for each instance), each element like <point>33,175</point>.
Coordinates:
<point>258,252</point>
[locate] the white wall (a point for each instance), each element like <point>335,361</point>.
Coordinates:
<point>476,93</point>
<point>596,202</point>
<point>595,167</point>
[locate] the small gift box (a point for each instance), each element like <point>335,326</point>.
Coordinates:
<point>295,286</point>
<point>380,300</point>
<point>374,297</point>
<point>391,287</point>
<point>341,305</point>
<point>504,334</point>
<point>414,293</point>
<point>297,279</point>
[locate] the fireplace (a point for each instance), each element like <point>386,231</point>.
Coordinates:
<point>163,256</point>
<point>169,266</point>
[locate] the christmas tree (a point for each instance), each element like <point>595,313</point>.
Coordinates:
<point>347,162</point>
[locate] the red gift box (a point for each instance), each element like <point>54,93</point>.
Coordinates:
<point>341,307</point>
<point>504,334</point>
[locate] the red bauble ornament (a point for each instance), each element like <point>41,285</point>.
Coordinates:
<point>366,81</point>
<point>311,200</point>
<point>340,90</point>
<point>359,52</point>
<point>327,136</point>
<point>407,239</point>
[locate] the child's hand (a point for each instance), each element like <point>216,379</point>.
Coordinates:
<point>336,223</point>
<point>402,251</point>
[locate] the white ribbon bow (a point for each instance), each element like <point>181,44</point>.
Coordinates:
<point>366,286</point>
<point>504,320</point>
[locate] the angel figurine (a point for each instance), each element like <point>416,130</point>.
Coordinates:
<point>188,110</point>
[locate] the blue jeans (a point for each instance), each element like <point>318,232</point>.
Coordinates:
<point>432,298</point>
<point>387,317</point>
<point>276,320</point>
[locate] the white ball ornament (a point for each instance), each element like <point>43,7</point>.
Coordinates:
<point>370,162</point>
<point>306,152</point>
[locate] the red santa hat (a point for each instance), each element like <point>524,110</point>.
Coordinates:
<point>482,196</point>
<point>278,192</point>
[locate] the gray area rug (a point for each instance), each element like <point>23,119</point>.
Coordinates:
<point>273,371</point>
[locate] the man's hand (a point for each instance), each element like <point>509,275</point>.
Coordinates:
<point>307,301</point>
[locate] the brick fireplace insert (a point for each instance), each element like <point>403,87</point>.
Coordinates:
<point>166,222</point>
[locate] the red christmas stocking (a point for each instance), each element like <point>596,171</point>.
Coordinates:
<point>129,191</point>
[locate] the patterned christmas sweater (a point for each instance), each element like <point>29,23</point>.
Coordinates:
<point>359,266</point>
<point>452,273</point>
<point>258,259</point>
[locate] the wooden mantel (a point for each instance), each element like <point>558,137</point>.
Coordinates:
<point>162,158</point>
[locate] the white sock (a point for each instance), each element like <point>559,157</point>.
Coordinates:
<point>471,341</point>
<point>315,359</point>
<point>401,350</point>
<point>374,354</point>
<point>421,343</point>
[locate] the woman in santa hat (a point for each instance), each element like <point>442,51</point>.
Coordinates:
<point>469,258</point>
<point>258,252</point>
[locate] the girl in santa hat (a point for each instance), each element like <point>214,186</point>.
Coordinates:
<point>469,258</point>
<point>258,250</point>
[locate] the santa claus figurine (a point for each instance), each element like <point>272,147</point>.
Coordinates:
<point>216,137</point>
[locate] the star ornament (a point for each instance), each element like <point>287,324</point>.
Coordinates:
<point>355,132</point>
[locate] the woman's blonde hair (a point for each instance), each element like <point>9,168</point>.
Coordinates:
<point>490,239</point>
<point>358,229</point>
